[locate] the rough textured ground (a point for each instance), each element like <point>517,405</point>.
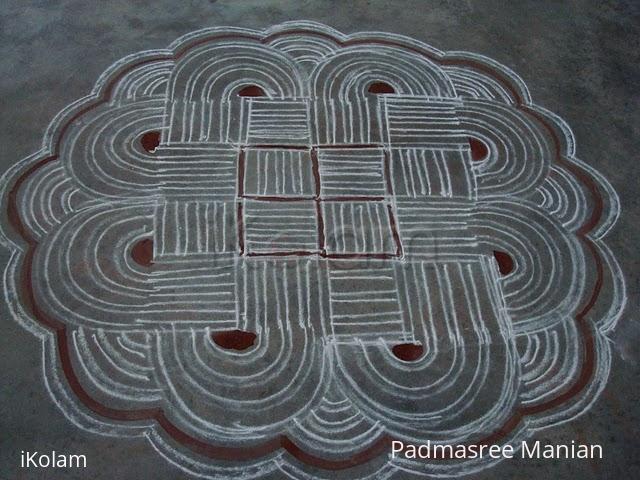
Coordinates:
<point>579,59</point>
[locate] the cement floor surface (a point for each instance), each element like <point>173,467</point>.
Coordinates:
<point>580,59</point>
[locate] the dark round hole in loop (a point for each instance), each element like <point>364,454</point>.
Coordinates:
<point>479,150</point>
<point>234,339</point>
<point>150,141</point>
<point>505,262</point>
<point>380,88</point>
<point>142,252</point>
<point>251,91</point>
<point>408,352</point>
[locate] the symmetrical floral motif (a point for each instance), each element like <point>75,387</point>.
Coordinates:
<point>283,249</point>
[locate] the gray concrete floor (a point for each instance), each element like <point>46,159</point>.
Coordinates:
<point>580,59</point>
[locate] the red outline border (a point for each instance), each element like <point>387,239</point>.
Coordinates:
<point>382,444</point>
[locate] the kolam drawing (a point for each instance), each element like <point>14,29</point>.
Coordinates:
<point>273,252</point>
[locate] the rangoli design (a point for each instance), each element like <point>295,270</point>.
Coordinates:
<point>283,249</point>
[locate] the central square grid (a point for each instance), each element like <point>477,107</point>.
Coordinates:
<point>332,202</point>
